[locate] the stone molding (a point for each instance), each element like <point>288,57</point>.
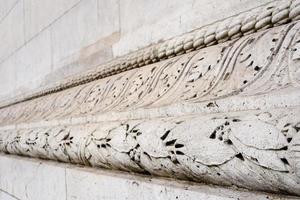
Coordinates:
<point>243,128</point>
<point>272,14</point>
<point>254,149</point>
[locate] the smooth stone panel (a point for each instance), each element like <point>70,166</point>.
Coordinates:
<point>12,31</point>
<point>33,63</point>
<point>100,33</point>
<point>108,17</point>
<point>76,28</point>
<point>6,7</point>
<point>82,29</point>
<point>39,14</point>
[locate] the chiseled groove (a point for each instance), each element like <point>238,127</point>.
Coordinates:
<point>261,18</point>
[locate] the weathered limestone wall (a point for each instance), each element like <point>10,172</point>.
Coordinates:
<point>218,105</point>
<point>44,41</point>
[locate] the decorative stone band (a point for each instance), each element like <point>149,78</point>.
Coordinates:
<point>252,149</point>
<point>255,149</point>
<point>245,70</point>
<point>272,14</point>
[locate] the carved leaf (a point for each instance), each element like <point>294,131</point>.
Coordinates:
<point>210,152</point>
<point>266,158</point>
<point>258,134</point>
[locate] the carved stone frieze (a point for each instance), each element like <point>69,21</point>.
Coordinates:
<point>273,14</point>
<point>254,65</point>
<point>227,114</point>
